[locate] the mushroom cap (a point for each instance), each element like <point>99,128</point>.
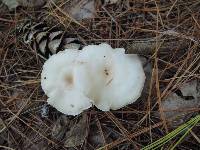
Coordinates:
<point>61,84</point>
<point>117,79</point>
<point>98,74</point>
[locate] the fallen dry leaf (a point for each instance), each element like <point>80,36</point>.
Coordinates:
<point>60,127</point>
<point>177,103</point>
<point>80,10</point>
<point>12,4</point>
<point>77,133</point>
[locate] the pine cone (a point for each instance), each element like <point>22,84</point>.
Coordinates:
<point>48,41</point>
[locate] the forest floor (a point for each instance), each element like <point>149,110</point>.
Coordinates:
<point>166,33</point>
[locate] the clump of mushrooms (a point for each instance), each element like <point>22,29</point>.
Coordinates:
<point>97,75</point>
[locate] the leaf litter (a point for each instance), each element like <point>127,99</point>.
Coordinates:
<point>180,103</point>
<point>140,27</point>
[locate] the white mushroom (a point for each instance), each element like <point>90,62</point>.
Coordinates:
<point>106,77</point>
<point>59,82</point>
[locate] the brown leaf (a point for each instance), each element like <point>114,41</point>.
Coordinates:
<point>177,104</point>
<point>60,128</point>
<point>81,9</point>
<point>77,133</point>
